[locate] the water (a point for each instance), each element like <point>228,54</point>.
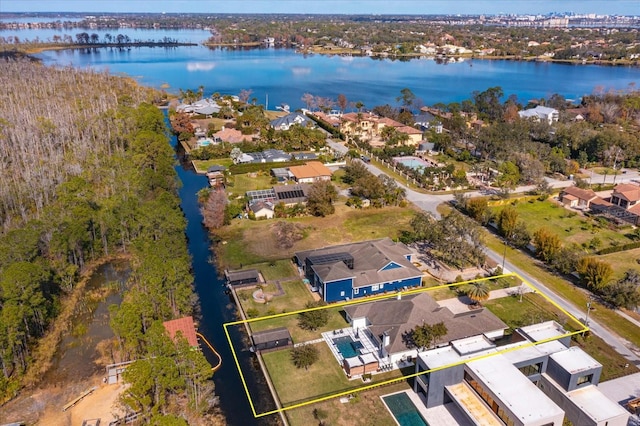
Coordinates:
<point>77,356</point>
<point>412,162</point>
<point>285,76</point>
<point>217,309</point>
<point>403,410</point>
<point>345,346</point>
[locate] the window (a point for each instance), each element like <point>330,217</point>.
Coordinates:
<point>530,370</point>
<point>342,293</point>
<point>375,287</point>
<point>584,379</point>
<point>356,291</point>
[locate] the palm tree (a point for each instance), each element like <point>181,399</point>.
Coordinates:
<point>478,291</point>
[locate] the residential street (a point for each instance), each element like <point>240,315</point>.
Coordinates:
<point>429,202</point>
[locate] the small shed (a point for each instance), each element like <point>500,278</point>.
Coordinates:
<point>360,364</point>
<point>247,277</point>
<point>270,340</point>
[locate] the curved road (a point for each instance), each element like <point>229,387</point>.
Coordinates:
<point>429,202</point>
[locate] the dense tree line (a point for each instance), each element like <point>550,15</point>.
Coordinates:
<point>106,185</point>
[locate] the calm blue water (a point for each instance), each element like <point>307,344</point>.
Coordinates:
<point>403,410</point>
<point>345,346</point>
<point>285,76</point>
<point>411,162</point>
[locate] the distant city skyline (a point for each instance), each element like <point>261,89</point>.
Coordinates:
<point>417,7</point>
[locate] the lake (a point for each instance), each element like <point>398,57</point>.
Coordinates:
<point>284,75</point>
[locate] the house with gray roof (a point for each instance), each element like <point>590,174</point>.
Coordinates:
<point>360,269</point>
<point>285,122</point>
<point>389,322</point>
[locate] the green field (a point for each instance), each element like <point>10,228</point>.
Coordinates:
<point>569,225</point>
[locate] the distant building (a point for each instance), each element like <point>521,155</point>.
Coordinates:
<point>313,171</point>
<point>295,118</point>
<point>541,113</point>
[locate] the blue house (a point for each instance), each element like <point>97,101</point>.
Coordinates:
<point>361,269</point>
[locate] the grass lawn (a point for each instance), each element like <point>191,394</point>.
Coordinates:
<point>336,321</point>
<point>364,410</point>
<point>296,385</point>
<point>247,242</point>
<point>202,165</point>
<point>568,291</point>
<point>295,298</point>
<point>566,224</point>
<point>240,184</point>
<point>532,310</point>
<point>622,261</point>
<point>276,270</point>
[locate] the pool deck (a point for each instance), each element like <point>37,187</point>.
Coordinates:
<point>442,415</point>
<point>368,345</point>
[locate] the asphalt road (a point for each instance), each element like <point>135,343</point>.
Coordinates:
<point>429,202</point>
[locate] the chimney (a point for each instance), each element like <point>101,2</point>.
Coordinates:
<point>385,339</point>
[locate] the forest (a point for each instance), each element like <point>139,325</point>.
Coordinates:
<point>88,175</point>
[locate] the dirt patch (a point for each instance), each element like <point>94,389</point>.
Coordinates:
<point>44,406</point>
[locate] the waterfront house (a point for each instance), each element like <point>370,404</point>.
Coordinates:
<point>270,340</point>
<point>263,210</point>
<point>243,278</point>
<point>185,327</point>
<point>285,123</point>
<point>360,269</point>
<point>541,113</point>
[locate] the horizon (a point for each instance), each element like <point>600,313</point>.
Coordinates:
<point>337,7</point>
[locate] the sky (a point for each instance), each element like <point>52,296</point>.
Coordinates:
<point>422,7</point>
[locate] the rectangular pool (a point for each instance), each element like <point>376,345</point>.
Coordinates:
<point>347,347</point>
<point>403,409</point>
<point>412,162</point>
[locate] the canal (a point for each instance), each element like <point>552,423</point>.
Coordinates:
<point>217,308</point>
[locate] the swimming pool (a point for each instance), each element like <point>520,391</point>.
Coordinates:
<point>404,410</point>
<point>347,346</point>
<point>412,162</point>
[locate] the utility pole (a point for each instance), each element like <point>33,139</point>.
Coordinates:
<point>586,319</point>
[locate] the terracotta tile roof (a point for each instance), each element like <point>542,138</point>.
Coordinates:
<point>627,190</point>
<point>409,130</point>
<point>232,135</point>
<point>581,194</point>
<point>185,326</point>
<point>390,122</point>
<point>310,170</point>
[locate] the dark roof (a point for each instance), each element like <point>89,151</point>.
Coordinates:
<point>242,275</point>
<point>398,317</point>
<point>370,257</point>
<point>292,194</point>
<point>216,168</point>
<point>281,333</point>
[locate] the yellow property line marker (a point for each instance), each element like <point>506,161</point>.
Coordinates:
<point>582,328</point>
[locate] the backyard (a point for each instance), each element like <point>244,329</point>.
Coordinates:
<point>324,378</point>
<point>569,225</point>
<point>246,242</point>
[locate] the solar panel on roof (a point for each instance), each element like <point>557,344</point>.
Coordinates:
<point>320,259</point>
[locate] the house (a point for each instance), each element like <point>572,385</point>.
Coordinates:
<point>360,269</point>
<point>624,204</point>
<point>231,136</point>
<point>415,135</point>
<point>357,124</point>
<point>313,171</point>
<point>575,197</point>
<point>215,175</point>
<point>270,340</point>
<point>243,278</point>
<point>289,195</point>
<point>263,209</point>
<point>550,115</point>
<point>203,106</point>
<point>266,156</point>
<point>285,123</point>
<point>425,120</point>
<point>536,379</point>
<point>300,156</point>
<point>185,327</point>
<point>280,173</point>
<point>389,322</point>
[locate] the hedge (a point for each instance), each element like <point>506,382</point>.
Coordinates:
<point>623,247</point>
<point>240,169</point>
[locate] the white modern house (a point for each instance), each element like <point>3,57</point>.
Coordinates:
<point>536,380</point>
<point>541,113</point>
